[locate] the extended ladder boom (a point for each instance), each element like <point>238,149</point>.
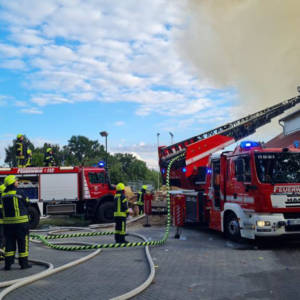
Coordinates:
<point>225,134</point>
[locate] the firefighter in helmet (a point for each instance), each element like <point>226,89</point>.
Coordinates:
<point>2,188</point>
<point>15,223</point>
<point>141,201</point>
<point>120,213</point>
<point>49,158</point>
<point>21,151</point>
<point>29,158</point>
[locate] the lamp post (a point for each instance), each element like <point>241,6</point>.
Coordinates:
<point>105,134</point>
<point>171,135</point>
<point>158,174</point>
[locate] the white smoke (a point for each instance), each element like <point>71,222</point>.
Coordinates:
<point>251,45</point>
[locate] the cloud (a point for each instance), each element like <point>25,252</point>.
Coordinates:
<point>142,151</point>
<point>120,123</point>
<point>32,111</point>
<point>13,64</point>
<point>121,52</point>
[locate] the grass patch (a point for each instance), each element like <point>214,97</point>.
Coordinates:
<point>63,221</point>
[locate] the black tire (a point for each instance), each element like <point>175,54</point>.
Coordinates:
<point>232,228</point>
<point>105,212</point>
<point>34,217</point>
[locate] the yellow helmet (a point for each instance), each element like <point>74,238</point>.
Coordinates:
<point>29,151</point>
<point>49,150</point>
<point>144,187</point>
<point>9,180</point>
<point>19,135</point>
<point>120,187</point>
<point>2,188</point>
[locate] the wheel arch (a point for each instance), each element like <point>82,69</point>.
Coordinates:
<point>232,208</point>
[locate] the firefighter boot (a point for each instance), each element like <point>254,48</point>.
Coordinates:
<point>122,240</point>
<point>8,262</point>
<point>23,261</point>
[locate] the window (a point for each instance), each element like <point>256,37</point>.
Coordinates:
<point>96,178</point>
<point>243,169</point>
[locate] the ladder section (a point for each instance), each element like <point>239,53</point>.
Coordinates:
<point>237,129</point>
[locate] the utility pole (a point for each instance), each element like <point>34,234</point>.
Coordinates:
<point>105,134</point>
<point>158,174</point>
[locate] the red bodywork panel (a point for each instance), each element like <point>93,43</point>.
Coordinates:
<point>86,189</point>
<point>197,154</point>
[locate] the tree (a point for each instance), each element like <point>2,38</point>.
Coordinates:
<point>85,152</point>
<point>81,150</point>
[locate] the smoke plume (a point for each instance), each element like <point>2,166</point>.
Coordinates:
<point>251,45</point>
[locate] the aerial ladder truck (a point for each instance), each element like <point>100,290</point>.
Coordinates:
<point>249,192</point>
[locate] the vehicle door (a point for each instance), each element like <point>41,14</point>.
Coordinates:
<point>97,184</point>
<point>215,196</point>
<point>241,180</point>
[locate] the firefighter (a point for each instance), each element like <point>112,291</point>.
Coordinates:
<point>29,158</point>
<point>21,151</point>
<point>2,188</point>
<point>120,213</point>
<point>49,159</point>
<point>141,201</point>
<point>15,223</point>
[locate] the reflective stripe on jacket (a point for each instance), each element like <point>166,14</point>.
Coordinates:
<point>14,208</point>
<point>2,188</point>
<point>121,205</point>
<point>1,214</point>
<point>141,198</point>
<point>20,149</point>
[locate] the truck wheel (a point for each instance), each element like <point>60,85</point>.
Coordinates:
<point>232,228</point>
<point>105,212</point>
<point>34,217</point>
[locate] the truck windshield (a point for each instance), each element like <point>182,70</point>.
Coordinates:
<point>283,167</point>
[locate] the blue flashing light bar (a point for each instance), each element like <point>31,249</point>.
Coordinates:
<point>249,144</point>
<point>183,170</point>
<point>101,164</point>
<point>163,171</point>
<point>208,171</point>
<point>296,144</point>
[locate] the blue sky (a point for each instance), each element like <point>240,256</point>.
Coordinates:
<point>70,67</point>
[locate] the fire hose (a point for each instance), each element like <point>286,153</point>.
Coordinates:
<point>14,284</point>
<point>45,239</point>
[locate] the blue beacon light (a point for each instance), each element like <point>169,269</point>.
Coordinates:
<point>101,164</point>
<point>249,144</point>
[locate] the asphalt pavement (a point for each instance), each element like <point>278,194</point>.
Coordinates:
<point>202,264</point>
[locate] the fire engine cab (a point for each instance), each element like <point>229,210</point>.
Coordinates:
<point>65,190</point>
<point>249,192</point>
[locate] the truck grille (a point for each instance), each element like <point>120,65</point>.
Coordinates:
<point>290,228</point>
<point>291,215</point>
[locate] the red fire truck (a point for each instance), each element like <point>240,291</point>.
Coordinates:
<point>249,192</point>
<point>65,190</point>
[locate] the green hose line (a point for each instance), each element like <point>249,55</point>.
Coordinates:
<point>44,239</point>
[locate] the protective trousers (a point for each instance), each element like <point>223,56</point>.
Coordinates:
<point>120,229</point>
<point>21,162</point>
<point>141,208</point>
<point>16,234</point>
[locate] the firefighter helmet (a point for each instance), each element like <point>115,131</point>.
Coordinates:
<point>144,187</point>
<point>9,180</point>
<point>120,187</point>
<point>19,135</point>
<point>49,150</point>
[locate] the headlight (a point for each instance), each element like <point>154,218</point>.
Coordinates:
<point>263,223</point>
